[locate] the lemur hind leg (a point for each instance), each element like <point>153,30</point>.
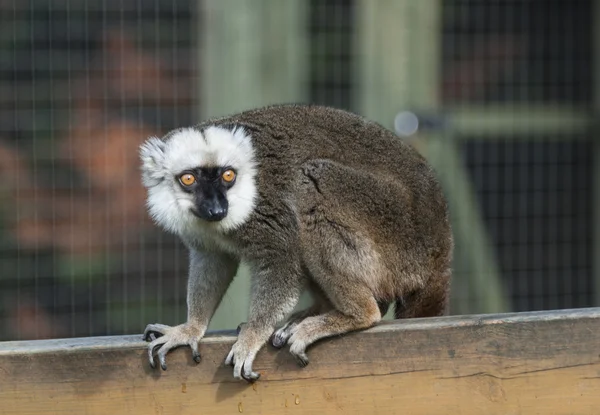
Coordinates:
<point>354,310</point>
<point>342,256</point>
<point>320,305</point>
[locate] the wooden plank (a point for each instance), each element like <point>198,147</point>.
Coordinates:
<point>540,362</point>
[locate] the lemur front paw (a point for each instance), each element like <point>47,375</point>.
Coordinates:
<point>168,338</point>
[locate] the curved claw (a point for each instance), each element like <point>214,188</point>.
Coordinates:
<point>250,377</point>
<point>162,358</point>
<point>152,349</point>
<point>242,361</point>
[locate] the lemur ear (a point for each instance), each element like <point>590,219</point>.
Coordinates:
<point>152,154</point>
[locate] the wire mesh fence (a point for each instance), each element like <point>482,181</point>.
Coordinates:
<point>84,82</point>
<point>534,186</point>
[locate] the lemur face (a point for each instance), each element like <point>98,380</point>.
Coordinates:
<point>197,177</point>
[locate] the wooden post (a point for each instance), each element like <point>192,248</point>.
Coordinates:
<point>520,363</point>
<point>252,53</point>
<point>596,155</point>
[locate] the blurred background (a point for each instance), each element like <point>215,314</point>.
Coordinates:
<point>499,95</point>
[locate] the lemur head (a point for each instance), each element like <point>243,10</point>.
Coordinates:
<point>200,178</point>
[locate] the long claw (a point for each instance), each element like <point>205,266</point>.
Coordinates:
<point>250,377</point>
<point>162,354</point>
<point>152,348</point>
<point>151,358</point>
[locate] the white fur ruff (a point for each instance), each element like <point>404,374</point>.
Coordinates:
<point>188,148</point>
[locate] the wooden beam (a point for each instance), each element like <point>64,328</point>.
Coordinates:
<point>539,362</point>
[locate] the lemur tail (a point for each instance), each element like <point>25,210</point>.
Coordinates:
<point>423,303</point>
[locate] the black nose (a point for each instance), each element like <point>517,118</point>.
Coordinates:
<point>211,212</point>
<point>211,205</point>
<point>216,213</point>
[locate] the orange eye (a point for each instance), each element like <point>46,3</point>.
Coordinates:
<point>187,179</point>
<point>228,176</point>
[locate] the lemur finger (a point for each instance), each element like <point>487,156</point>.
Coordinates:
<point>156,329</point>
<point>298,349</point>
<point>195,352</point>
<point>237,369</point>
<point>280,337</point>
<point>247,372</point>
<point>240,371</point>
<point>162,354</point>
<point>163,362</point>
<point>151,348</point>
<point>301,358</point>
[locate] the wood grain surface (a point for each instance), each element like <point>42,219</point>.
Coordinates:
<point>523,363</point>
